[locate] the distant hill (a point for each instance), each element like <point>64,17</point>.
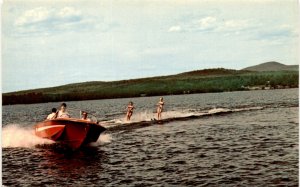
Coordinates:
<point>212,72</point>
<point>272,66</point>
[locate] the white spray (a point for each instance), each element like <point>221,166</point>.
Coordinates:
<point>103,139</point>
<point>149,115</point>
<point>14,135</point>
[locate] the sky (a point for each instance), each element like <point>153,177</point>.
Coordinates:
<point>48,43</point>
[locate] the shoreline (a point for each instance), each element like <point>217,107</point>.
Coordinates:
<point>163,95</point>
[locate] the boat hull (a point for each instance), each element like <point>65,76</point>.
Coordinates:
<point>72,132</point>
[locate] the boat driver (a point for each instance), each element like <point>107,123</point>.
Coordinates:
<point>84,116</point>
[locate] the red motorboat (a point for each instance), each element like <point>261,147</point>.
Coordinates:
<point>69,131</point>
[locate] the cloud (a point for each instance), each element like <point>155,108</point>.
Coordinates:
<point>233,25</point>
<point>33,16</point>
<point>213,24</point>
<point>175,29</point>
<point>207,23</point>
<point>44,20</point>
<point>68,12</point>
<point>250,28</point>
<point>43,14</point>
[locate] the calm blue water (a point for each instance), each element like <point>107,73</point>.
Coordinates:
<point>247,148</point>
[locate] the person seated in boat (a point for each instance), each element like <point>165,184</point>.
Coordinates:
<point>62,113</point>
<point>53,115</point>
<point>130,108</point>
<point>160,105</point>
<point>84,116</point>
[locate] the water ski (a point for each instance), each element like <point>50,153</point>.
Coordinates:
<point>155,121</point>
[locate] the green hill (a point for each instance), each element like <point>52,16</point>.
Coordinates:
<point>272,66</point>
<point>201,81</point>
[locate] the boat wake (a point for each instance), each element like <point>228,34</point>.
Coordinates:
<point>103,139</point>
<point>148,118</point>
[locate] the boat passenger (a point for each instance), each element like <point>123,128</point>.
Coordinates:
<point>62,113</point>
<point>160,105</point>
<point>84,116</point>
<point>130,108</point>
<point>53,115</point>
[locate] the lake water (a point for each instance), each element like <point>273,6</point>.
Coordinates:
<point>250,140</point>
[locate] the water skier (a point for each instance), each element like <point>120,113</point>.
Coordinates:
<point>160,106</point>
<point>130,108</point>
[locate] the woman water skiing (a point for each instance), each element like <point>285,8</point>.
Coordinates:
<point>160,105</point>
<point>130,108</point>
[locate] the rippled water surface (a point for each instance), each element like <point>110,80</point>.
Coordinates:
<point>246,148</point>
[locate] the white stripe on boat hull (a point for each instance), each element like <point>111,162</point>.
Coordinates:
<point>48,127</point>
